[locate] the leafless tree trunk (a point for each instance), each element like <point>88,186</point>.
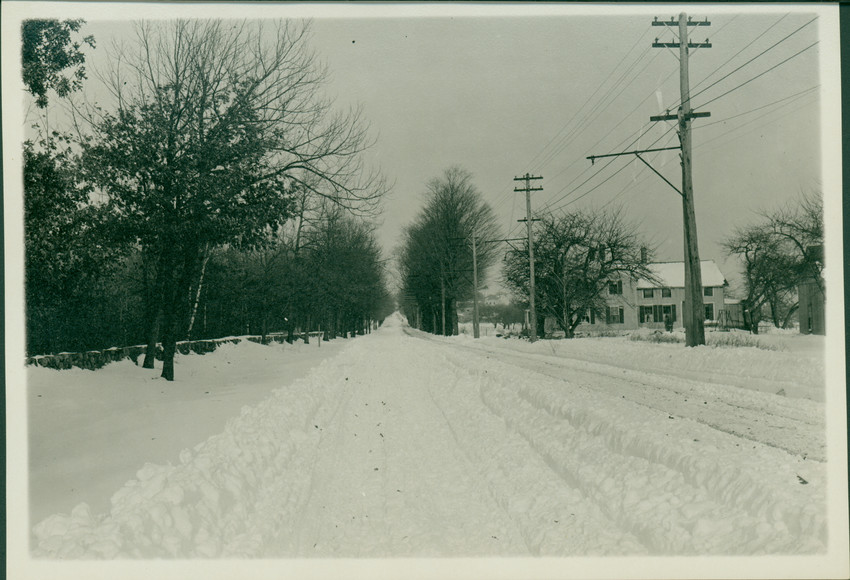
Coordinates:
<point>204,260</point>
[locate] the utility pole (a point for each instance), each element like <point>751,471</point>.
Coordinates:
<point>475,329</point>
<point>694,315</point>
<point>528,189</point>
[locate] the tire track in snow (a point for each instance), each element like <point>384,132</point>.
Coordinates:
<point>705,503</point>
<point>740,491</point>
<point>390,479</point>
<point>554,518</point>
<point>532,547</point>
<point>300,529</point>
<point>682,399</point>
<point>751,415</point>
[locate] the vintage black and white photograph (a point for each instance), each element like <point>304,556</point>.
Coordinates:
<point>444,290</point>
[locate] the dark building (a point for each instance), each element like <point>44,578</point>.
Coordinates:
<point>812,302</point>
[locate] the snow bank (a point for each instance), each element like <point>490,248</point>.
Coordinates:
<point>222,499</point>
<point>798,374</point>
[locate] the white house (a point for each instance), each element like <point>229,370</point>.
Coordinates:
<point>633,303</point>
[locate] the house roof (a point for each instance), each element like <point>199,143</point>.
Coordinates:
<point>672,275</point>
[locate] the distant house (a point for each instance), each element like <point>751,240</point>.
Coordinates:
<point>634,303</point>
<point>497,298</point>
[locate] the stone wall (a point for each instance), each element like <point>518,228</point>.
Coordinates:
<point>95,359</point>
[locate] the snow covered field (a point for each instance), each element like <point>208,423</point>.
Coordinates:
<point>403,444</point>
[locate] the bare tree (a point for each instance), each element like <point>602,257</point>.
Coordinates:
<point>217,126</point>
<point>777,253</point>
<point>800,226</point>
<point>435,260</point>
<point>575,256</point>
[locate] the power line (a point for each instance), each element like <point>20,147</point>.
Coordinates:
<point>598,109</point>
<point>549,205</point>
<point>636,139</point>
<point>731,58</point>
<point>579,175</point>
<point>751,121</point>
<point>505,195</point>
<point>588,99</point>
<point>752,59</point>
<point>562,144</point>
<point>653,92</point>
<point>641,132</point>
<point>633,184</point>
<point>789,97</point>
<point>796,54</point>
<point>594,188</point>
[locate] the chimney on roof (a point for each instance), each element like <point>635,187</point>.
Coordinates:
<point>643,255</point>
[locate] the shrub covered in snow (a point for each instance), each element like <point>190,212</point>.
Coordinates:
<point>715,339</point>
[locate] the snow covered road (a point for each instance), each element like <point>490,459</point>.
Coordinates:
<point>407,445</point>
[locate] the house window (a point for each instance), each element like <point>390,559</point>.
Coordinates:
<point>614,315</point>
<point>709,311</point>
<point>615,287</point>
<point>656,313</point>
<point>649,293</point>
<point>666,293</point>
<point>589,316</point>
<point>708,291</point>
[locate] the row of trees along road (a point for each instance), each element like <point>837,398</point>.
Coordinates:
<point>214,150</point>
<point>778,252</point>
<point>435,258</point>
<point>575,255</point>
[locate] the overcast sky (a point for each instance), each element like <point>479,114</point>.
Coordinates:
<point>522,92</point>
<point>505,96</point>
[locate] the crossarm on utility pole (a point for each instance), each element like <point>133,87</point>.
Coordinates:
<point>691,115</point>
<point>595,157</point>
<point>637,154</point>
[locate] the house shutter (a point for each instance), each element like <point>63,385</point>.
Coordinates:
<point>607,315</point>
<point>592,316</point>
<point>673,306</point>
<point>621,309</point>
